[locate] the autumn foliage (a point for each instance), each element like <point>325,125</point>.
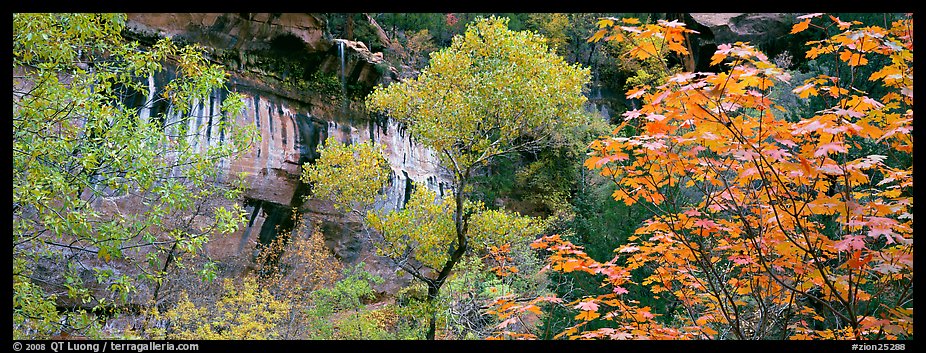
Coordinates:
<point>765,226</point>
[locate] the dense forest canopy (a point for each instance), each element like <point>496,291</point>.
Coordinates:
<point>592,176</point>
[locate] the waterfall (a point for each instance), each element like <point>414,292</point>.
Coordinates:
<point>343,80</point>
<point>344,106</point>
<point>145,111</point>
<point>341,58</point>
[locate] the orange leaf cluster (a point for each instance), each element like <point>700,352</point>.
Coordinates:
<point>756,214</point>
<point>500,260</point>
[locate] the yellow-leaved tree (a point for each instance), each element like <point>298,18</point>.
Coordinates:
<point>765,226</point>
<point>492,92</point>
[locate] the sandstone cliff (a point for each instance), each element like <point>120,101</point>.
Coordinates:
<point>300,87</point>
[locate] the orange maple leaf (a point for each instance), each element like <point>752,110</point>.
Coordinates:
<point>800,26</point>
<point>587,315</point>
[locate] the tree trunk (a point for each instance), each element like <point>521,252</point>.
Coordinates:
<point>433,290</point>
<point>434,285</point>
<point>350,27</point>
<point>170,258</point>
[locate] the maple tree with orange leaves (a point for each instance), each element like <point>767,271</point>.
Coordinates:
<point>764,227</point>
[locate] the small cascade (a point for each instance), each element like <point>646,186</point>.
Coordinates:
<point>341,58</point>
<point>344,99</point>
<point>145,113</point>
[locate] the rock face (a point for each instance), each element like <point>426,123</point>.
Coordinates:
<point>287,54</point>
<point>752,27</point>
<point>244,32</point>
<point>299,88</point>
<point>768,30</point>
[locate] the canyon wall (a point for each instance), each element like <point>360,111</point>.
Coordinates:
<point>299,88</point>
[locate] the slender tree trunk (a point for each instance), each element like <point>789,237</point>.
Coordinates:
<point>170,258</point>
<point>350,26</point>
<point>433,290</point>
<point>434,286</point>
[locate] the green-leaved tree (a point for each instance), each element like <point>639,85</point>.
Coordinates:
<point>492,92</point>
<point>79,149</point>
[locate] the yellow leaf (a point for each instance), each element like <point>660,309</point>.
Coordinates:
<point>814,52</point>
<point>678,48</point>
<point>598,35</point>
<point>854,59</point>
<point>566,332</point>
<point>656,127</point>
<point>805,90</point>
<point>842,25</point>
<point>570,265</point>
<point>805,165</point>
<point>533,309</point>
<point>645,50</point>
<point>635,93</point>
<point>587,315</point>
<point>867,45</point>
<point>800,26</point>
<point>615,37</point>
<point>592,162</point>
<point>717,58</point>
<point>104,254</point>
